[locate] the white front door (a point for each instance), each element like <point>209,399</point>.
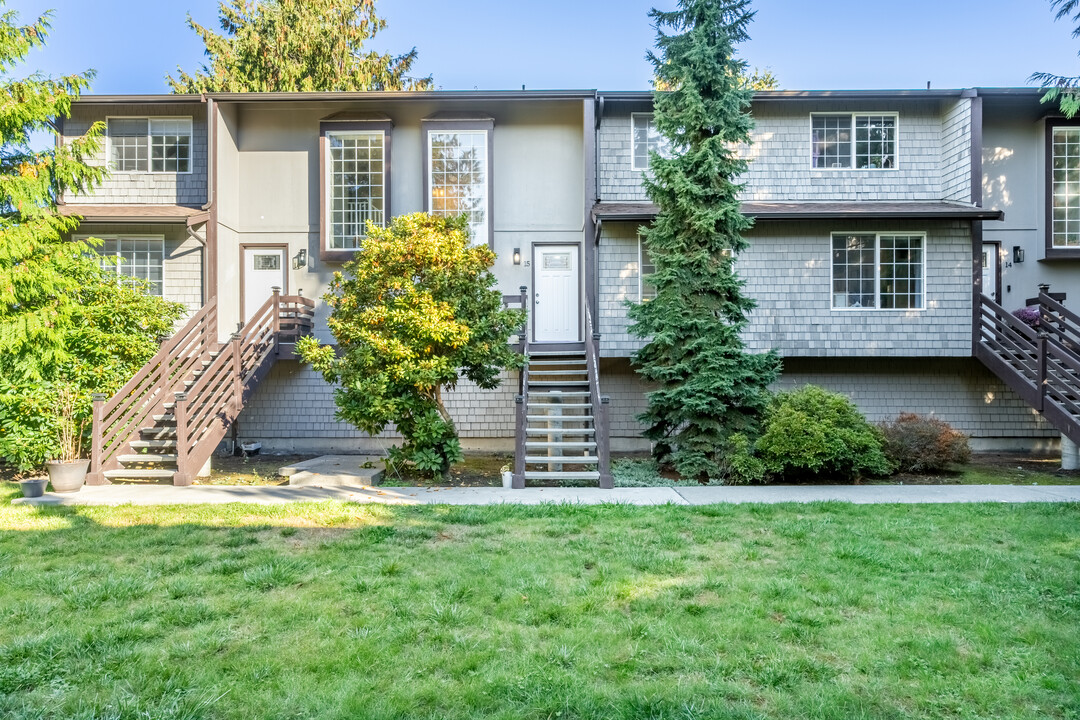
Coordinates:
<point>264,269</point>
<point>557,295</point>
<point>990,259</point>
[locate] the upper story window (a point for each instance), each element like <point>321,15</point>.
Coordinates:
<point>157,145</point>
<point>645,138</point>
<point>1064,228</point>
<point>646,268</point>
<point>458,177</point>
<point>355,183</point>
<point>860,141</point>
<point>882,271</point>
<point>134,257</point>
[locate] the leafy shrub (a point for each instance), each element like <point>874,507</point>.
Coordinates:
<point>1028,315</point>
<point>811,432</point>
<point>914,443</point>
<point>740,466</point>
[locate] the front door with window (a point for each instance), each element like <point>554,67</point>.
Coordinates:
<point>557,294</point>
<point>991,269</point>
<point>264,269</point>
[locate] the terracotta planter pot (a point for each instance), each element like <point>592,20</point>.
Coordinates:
<point>35,487</point>
<point>67,476</point>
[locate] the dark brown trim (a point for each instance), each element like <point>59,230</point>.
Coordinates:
<point>485,124</point>
<point>817,211</point>
<point>1050,252</point>
<point>386,127</point>
<point>976,284</point>
<point>532,297</point>
<point>589,249</point>
<point>243,265</point>
<point>997,266</point>
<point>210,272</point>
<point>58,143</point>
<point>976,150</point>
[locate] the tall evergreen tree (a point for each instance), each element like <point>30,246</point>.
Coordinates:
<point>1065,89</point>
<point>296,45</point>
<point>708,386</point>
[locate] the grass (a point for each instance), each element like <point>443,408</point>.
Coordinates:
<point>335,610</point>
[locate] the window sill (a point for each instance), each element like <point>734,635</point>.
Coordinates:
<point>1054,254</point>
<point>337,256</point>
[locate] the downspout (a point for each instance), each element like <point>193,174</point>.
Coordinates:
<point>210,253</point>
<point>976,226</point>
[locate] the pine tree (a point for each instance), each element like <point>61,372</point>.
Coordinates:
<point>1062,88</point>
<point>708,386</point>
<point>296,45</point>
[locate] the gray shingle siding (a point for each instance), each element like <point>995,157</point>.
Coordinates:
<point>144,188</point>
<point>956,152</point>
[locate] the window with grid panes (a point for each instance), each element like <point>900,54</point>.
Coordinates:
<point>860,141</point>
<point>170,145</point>
<point>128,144</point>
<point>1066,187</point>
<point>159,145</point>
<point>135,257</point>
<point>459,177</point>
<point>646,290</point>
<point>883,271</point>
<point>646,139</point>
<point>357,172</point>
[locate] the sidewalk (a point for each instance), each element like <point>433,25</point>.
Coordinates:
<point>276,495</point>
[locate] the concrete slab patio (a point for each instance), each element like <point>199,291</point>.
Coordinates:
<point>275,495</point>
<point>335,470</point>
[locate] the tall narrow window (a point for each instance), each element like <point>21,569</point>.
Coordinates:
<point>877,271</point>
<point>1065,187</point>
<point>357,182</point>
<point>645,139</point>
<point>458,181</point>
<point>646,268</point>
<point>135,257</point>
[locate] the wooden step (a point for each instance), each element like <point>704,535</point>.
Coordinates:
<point>146,458</point>
<point>561,459</point>
<point>139,474</point>
<point>565,475</point>
<point>557,363</point>
<point>558,383</point>
<point>549,354</point>
<point>546,394</point>
<point>559,431</point>
<point>560,406</point>
<point>157,433</point>
<point>153,444</point>
<point>560,418</point>
<point>545,373</point>
<point>169,419</point>
<point>560,445</point>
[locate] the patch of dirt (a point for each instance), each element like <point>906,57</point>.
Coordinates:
<point>256,469</point>
<point>1018,468</point>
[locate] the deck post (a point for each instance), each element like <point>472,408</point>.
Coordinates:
<point>183,474</point>
<point>275,321</point>
<point>238,372</point>
<point>97,441</point>
<point>1040,381</point>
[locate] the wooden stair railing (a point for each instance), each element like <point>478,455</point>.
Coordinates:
<point>117,421</point>
<point>205,411</point>
<point>1042,366</point>
<point>600,402</point>
<point>521,398</point>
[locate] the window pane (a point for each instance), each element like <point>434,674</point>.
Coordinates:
<point>647,139</point>
<point>1066,187</point>
<point>831,141</point>
<point>853,271</point>
<point>459,172</point>
<point>356,186</point>
<point>646,268</point>
<point>134,259</point>
<point>127,144</point>
<point>170,145</point>
<point>901,271</point>
<point>875,141</point>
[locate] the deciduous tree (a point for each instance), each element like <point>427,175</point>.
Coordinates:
<point>296,45</point>
<point>708,387</point>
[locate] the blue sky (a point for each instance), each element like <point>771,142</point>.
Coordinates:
<point>504,44</point>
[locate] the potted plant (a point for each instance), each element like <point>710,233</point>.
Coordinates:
<point>68,472</point>
<point>33,487</point>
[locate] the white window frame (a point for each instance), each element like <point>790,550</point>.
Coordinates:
<point>149,145</point>
<point>482,235</point>
<point>877,270</point>
<point>852,116</point>
<point>1054,223</point>
<point>641,270</point>
<point>329,179</point>
<point>633,155</point>
<point>120,237</point>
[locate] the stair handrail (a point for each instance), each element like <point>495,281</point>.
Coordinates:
<point>521,400</point>
<point>599,402</point>
<point>1059,322</point>
<point>216,398</point>
<point>116,420</point>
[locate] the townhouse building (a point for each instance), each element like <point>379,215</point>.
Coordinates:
<point>894,231</point>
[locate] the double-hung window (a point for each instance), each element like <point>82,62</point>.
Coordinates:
<point>645,138</point>
<point>458,162</point>
<point>133,258</point>
<point>859,141</point>
<point>878,270</point>
<point>646,268</point>
<point>156,145</point>
<point>1063,232</point>
<point>355,183</point>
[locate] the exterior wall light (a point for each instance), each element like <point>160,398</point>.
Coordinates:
<point>1018,254</point>
<point>517,256</point>
<point>300,260</point>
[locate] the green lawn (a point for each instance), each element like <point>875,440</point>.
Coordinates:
<point>334,610</point>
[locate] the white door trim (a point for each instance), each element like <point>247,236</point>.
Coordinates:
<point>537,301</point>
<point>284,248</point>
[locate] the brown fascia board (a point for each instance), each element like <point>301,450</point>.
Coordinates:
<point>139,99</point>
<point>638,96</point>
<point>418,95</point>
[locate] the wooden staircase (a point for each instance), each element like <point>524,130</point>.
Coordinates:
<point>562,422</point>
<point>168,419</point>
<point>1042,365</point>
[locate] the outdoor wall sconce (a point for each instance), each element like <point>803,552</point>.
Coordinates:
<point>1018,254</point>
<point>517,256</point>
<point>300,260</point>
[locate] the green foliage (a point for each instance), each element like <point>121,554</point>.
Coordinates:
<point>413,311</point>
<point>708,386</point>
<point>1063,89</point>
<point>915,444</point>
<point>812,432</point>
<point>296,45</point>
<point>63,320</point>
<point>761,80</point>
<point>741,466</point>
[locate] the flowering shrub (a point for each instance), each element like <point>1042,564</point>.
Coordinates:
<point>1028,315</point>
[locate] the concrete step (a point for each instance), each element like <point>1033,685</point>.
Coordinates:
<point>146,458</point>
<point>578,475</point>
<point>559,431</point>
<point>560,445</point>
<point>139,474</point>
<point>561,459</point>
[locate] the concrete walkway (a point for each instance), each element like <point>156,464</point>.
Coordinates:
<point>275,495</point>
